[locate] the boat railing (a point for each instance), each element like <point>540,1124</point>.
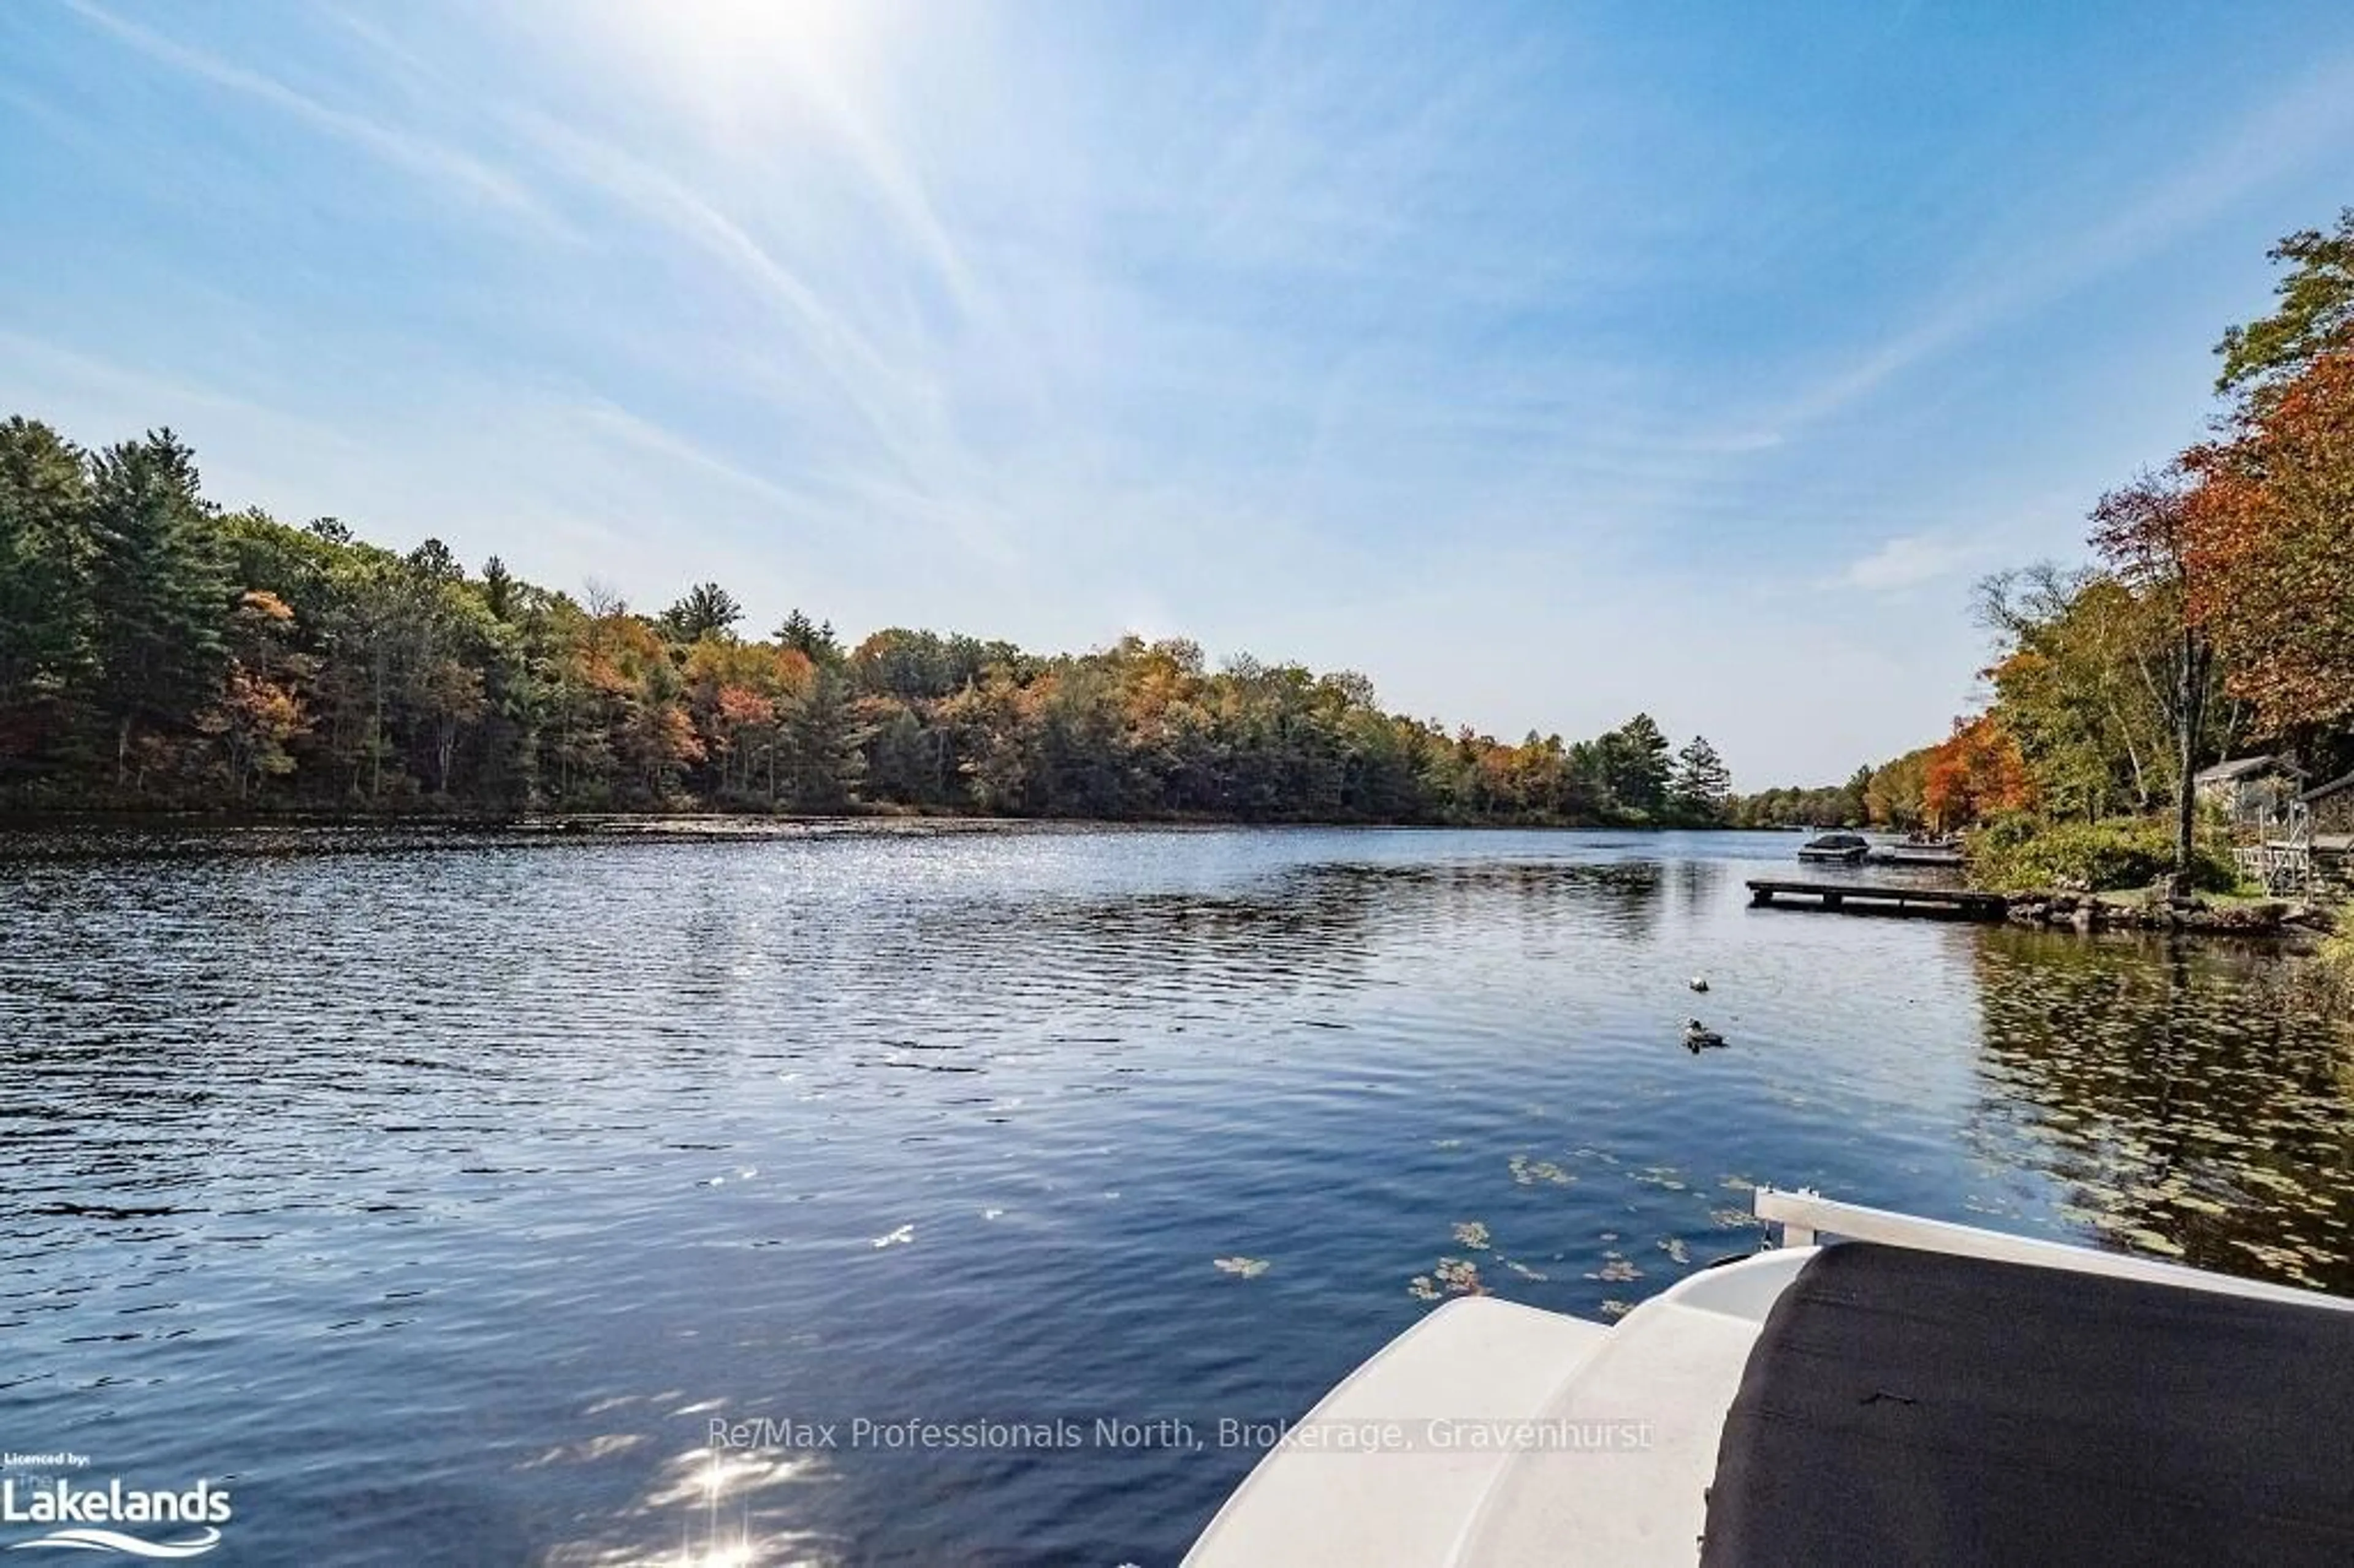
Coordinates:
<point>1808,1218</point>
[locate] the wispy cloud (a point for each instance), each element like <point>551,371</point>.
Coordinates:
<point>1906,561</point>
<point>655,195</point>
<point>437,161</point>
<point>43,363</point>
<point>608,420</point>
<point>1283,329</point>
<point>2313,118</point>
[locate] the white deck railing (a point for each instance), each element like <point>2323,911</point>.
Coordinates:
<point>2281,867</point>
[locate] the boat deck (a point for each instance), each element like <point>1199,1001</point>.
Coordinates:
<point>1892,1411</point>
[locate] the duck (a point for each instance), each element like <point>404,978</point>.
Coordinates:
<point>1699,982</point>
<point>1699,1037</point>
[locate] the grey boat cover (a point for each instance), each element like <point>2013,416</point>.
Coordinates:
<point>1904,1407</point>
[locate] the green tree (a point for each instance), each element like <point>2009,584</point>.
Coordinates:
<point>1855,807</point>
<point>158,573</point>
<point>1636,758</point>
<point>902,759</point>
<point>498,588</point>
<point>46,613</point>
<point>2079,683</point>
<point>706,610</point>
<point>2314,314</point>
<point>227,658</point>
<point>823,755</point>
<point>1701,786</point>
<point>813,640</point>
<point>1896,797</point>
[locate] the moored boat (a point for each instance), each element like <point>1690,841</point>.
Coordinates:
<point>1876,1389</point>
<point>1918,854</point>
<point>1846,847</point>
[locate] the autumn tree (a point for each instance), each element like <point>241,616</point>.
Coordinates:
<point>157,650</point>
<point>450,697</point>
<point>259,711</point>
<point>1976,774</point>
<point>2145,533</point>
<point>2081,680</point>
<point>2272,541</point>
<point>2272,548</point>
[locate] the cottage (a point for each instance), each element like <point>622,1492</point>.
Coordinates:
<point>2330,808</point>
<point>2324,829</point>
<point>2253,793</point>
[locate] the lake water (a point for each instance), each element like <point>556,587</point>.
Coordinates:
<point>434,1194</point>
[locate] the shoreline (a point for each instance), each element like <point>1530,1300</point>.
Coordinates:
<point>706,824</point>
<point>2085,913</point>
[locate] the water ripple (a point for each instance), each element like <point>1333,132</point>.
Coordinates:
<point>442,1188</point>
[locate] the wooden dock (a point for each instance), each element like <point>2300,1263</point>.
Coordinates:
<point>1880,898</point>
<point>1911,854</point>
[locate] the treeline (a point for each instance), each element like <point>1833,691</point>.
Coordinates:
<point>156,651</point>
<point>1802,806</point>
<point>2214,618</point>
<point>1893,795</point>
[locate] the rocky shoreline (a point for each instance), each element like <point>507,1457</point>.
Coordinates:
<point>2049,907</point>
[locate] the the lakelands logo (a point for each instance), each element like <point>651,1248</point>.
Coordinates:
<point>185,1522</point>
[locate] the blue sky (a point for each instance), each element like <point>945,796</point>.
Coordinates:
<point>1543,362</point>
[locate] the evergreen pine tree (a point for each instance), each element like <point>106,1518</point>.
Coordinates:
<point>158,573</point>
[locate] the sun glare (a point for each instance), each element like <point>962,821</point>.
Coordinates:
<point>737,55</point>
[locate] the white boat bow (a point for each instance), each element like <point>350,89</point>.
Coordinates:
<point>1503,1436</point>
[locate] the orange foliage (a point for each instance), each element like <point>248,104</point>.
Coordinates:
<point>737,707</point>
<point>261,604</point>
<point>1975,773</point>
<point>2272,544</point>
<point>663,740</point>
<point>254,718</point>
<point>796,674</point>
